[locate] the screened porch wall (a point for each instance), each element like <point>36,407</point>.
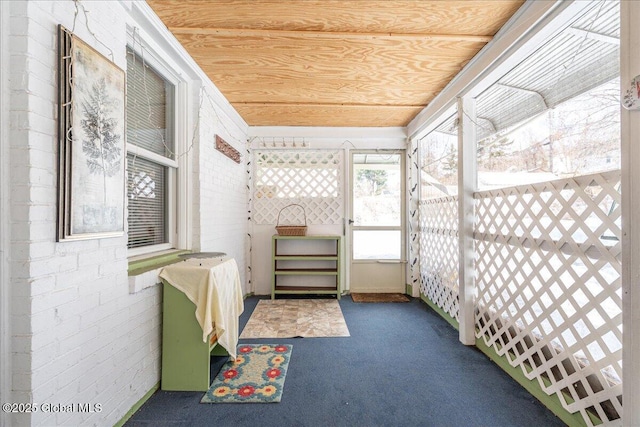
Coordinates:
<point>439,251</point>
<point>548,286</point>
<point>437,165</point>
<point>547,222</point>
<point>309,167</point>
<point>547,269</point>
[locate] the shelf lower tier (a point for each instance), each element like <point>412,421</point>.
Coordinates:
<point>305,257</point>
<point>306,272</point>
<point>320,290</point>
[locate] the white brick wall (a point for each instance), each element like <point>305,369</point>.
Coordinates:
<point>79,336</point>
<point>222,188</point>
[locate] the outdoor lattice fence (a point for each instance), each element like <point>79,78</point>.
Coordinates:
<point>549,291</point>
<point>439,252</point>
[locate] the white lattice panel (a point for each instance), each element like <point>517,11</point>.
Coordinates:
<point>310,178</point>
<point>549,290</point>
<point>439,256</point>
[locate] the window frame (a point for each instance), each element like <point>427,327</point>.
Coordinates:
<point>178,212</point>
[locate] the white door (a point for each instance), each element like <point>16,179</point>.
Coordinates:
<point>376,224</point>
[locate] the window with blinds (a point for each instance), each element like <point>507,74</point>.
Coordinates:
<point>150,153</point>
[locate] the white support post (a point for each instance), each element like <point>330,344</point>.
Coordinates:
<point>630,139</point>
<point>467,182</point>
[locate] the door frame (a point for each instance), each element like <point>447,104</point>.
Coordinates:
<point>403,216</point>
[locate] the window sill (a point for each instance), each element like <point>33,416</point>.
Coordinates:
<point>143,270</point>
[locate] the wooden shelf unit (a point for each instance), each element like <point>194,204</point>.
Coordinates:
<point>277,270</point>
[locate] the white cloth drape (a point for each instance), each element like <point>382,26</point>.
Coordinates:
<point>214,287</point>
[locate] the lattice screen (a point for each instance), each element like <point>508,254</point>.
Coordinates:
<point>549,291</point>
<point>311,178</point>
<point>439,252</point>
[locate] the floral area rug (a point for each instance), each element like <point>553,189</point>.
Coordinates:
<point>256,376</point>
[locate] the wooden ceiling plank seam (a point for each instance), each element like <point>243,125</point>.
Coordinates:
<point>291,44</point>
<point>310,96</point>
<point>420,16</point>
<point>341,35</point>
<point>325,104</point>
<point>330,118</point>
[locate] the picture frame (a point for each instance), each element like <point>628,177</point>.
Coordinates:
<point>91,142</point>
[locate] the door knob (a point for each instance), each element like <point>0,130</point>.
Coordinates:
<point>351,221</point>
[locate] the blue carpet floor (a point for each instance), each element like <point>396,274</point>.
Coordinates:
<point>402,366</point>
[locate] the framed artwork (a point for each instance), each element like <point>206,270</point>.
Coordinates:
<point>91,150</point>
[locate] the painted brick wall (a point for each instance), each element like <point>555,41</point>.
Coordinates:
<point>222,187</point>
<point>78,335</point>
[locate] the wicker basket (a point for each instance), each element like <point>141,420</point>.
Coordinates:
<point>292,230</point>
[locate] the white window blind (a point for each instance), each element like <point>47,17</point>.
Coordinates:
<point>151,150</point>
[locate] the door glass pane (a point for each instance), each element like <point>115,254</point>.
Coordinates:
<point>376,244</point>
<point>377,194</point>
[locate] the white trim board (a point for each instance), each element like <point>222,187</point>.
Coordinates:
<point>630,136</point>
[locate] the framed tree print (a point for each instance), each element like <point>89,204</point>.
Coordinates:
<point>91,180</point>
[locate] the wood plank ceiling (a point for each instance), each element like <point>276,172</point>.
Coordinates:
<point>332,62</point>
